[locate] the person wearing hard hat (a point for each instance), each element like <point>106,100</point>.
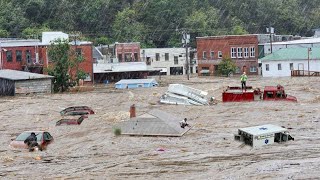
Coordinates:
<point>243,79</point>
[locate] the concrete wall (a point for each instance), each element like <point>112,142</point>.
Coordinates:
<point>33,86</point>
<point>224,44</point>
<point>285,67</point>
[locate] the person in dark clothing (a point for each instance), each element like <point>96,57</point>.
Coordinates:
<point>184,123</point>
<point>31,141</point>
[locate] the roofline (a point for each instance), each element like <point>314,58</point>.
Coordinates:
<point>311,59</point>
<point>224,36</point>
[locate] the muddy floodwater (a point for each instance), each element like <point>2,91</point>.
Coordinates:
<point>207,151</point>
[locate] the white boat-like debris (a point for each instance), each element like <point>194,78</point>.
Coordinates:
<point>184,95</point>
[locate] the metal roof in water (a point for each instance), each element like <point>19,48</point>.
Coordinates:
<point>154,123</point>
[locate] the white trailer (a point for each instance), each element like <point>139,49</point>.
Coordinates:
<point>258,136</point>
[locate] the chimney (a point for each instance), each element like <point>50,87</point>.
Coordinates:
<point>132,111</point>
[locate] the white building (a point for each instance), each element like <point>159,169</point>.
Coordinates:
<point>171,61</point>
<point>284,61</point>
<point>302,43</point>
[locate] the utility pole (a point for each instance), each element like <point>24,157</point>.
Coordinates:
<point>270,30</point>
<point>309,50</point>
<point>185,41</point>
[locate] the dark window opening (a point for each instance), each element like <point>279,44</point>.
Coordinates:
<point>166,56</point>
<point>9,56</point>
<point>18,55</point>
<point>28,56</point>
<point>176,60</point>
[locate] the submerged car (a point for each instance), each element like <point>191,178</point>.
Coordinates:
<point>72,120</point>
<point>77,110</point>
<point>43,138</point>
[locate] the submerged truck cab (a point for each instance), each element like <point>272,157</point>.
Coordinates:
<point>275,93</point>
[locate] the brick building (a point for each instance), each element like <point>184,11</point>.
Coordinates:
<point>31,56</point>
<point>242,49</point>
<point>127,52</point>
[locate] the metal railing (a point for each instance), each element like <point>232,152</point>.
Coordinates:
<point>304,73</point>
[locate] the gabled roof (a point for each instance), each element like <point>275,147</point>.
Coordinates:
<point>293,54</point>
<point>154,123</point>
<point>21,75</point>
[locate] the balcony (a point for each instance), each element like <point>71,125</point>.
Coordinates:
<point>33,63</point>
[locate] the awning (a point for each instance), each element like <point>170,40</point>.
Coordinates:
<point>205,71</point>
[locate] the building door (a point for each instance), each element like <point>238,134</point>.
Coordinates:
<point>301,69</point>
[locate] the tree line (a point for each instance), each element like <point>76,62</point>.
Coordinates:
<point>156,23</point>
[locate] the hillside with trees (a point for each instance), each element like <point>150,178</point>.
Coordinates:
<point>156,23</point>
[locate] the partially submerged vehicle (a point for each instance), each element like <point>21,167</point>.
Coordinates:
<point>44,138</point>
<point>270,93</point>
<point>71,120</point>
<point>258,136</point>
<point>77,110</point>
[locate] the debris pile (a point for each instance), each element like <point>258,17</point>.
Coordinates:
<point>184,95</point>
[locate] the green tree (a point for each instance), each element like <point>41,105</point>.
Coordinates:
<point>33,32</point>
<point>4,33</point>
<point>59,55</point>
<point>226,66</point>
<point>126,27</point>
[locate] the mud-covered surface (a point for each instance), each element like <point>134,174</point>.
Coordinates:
<point>207,151</point>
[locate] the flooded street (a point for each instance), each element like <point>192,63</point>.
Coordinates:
<point>207,151</point>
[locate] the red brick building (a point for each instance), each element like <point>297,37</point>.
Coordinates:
<point>31,55</point>
<point>127,52</point>
<point>242,49</point>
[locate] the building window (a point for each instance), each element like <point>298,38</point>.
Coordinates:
<point>253,69</point>
<point>291,66</point>
<point>79,52</point>
<point>212,54</point>
<point>157,57</point>
<point>28,56</point>
<point>135,55</point>
<point>128,57</point>
<point>279,66</point>
<point>267,67</point>
<point>239,52</point>
<point>204,55</point>
<point>219,54</point>
<point>175,60</point>
<point>18,55</point>
<point>166,56</point>
<point>246,52</point>
<point>233,52</point>
<point>252,52</point>
<point>9,56</point>
<point>120,57</point>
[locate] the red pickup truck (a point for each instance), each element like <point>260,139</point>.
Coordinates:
<point>270,93</point>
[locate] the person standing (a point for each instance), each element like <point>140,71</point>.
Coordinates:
<point>243,79</point>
